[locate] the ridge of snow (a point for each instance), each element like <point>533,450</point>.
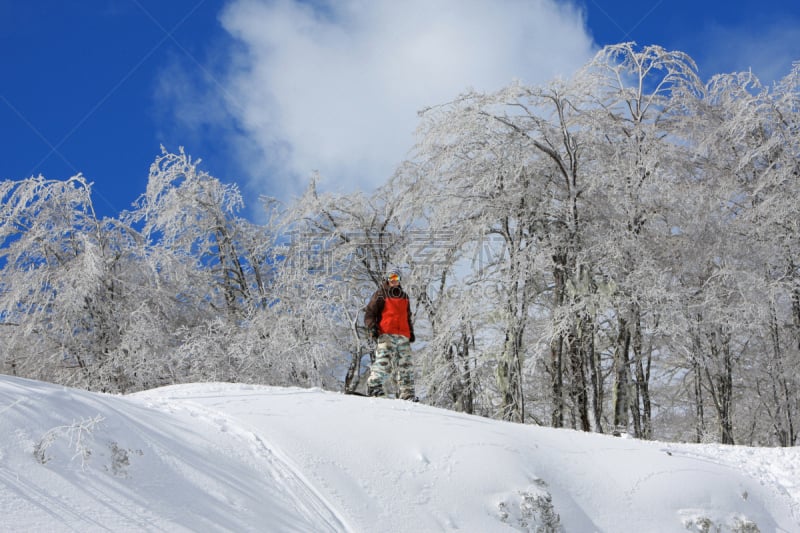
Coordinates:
<point>231,457</point>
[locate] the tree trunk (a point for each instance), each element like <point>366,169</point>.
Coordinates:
<point>697,393</point>
<point>721,385</point>
<point>557,345</point>
<point>795,307</point>
<point>467,399</point>
<point>593,359</point>
<point>642,365</point>
<point>509,375</point>
<point>781,411</point>
<point>557,382</point>
<point>461,385</point>
<point>578,393</point>
<point>621,381</point>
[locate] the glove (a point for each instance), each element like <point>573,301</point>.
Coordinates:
<point>374,332</point>
<point>412,338</point>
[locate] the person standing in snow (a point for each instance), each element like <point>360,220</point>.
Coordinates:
<point>387,318</point>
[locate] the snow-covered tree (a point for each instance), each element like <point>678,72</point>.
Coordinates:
<point>616,251</point>
<point>65,283</point>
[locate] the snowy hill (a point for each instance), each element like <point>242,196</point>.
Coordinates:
<point>225,457</point>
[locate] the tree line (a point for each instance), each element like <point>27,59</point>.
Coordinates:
<point>615,252</point>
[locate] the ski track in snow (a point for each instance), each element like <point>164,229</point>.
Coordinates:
<point>272,462</point>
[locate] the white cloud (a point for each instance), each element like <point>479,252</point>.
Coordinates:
<point>335,85</point>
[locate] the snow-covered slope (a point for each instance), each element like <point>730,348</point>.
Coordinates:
<point>226,457</point>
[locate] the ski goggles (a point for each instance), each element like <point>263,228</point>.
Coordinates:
<point>393,277</point>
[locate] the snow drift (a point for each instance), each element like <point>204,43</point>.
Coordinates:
<point>228,457</point>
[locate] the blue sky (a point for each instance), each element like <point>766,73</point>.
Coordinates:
<point>265,92</point>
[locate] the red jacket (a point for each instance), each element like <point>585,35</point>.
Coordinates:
<point>390,310</point>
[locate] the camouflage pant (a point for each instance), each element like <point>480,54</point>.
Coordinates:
<point>392,356</point>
